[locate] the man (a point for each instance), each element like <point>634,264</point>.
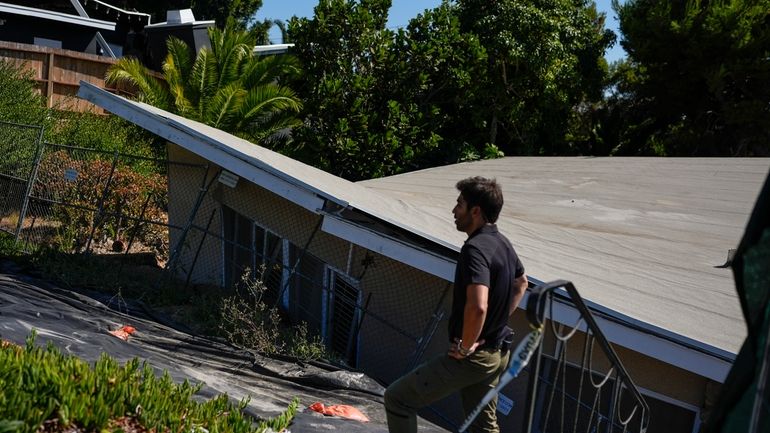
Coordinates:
<point>489,283</point>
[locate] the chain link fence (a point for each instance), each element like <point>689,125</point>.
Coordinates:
<point>19,147</point>
<point>375,314</point>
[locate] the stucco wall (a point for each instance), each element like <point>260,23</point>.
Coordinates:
<point>400,300</point>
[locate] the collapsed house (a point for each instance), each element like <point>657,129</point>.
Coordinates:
<point>369,265</point>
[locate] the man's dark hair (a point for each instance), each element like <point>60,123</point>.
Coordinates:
<point>484,193</point>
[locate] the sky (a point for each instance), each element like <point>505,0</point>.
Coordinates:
<point>400,13</point>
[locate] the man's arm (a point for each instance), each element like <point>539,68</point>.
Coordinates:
<point>475,311</point>
<point>520,285</point>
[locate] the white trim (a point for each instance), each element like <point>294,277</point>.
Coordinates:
<point>254,162</point>
<point>56,16</point>
<point>201,145</point>
<point>389,247</point>
<point>647,343</point>
<point>165,24</point>
<point>270,50</point>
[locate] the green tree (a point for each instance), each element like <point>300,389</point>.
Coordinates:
<point>545,60</point>
<point>697,82</point>
<point>437,68</point>
<point>462,81</point>
<point>226,86</point>
<point>355,126</point>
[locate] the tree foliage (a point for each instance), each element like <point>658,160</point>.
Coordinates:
<point>545,57</point>
<point>697,79</point>
<point>456,84</point>
<point>225,86</point>
<point>355,126</point>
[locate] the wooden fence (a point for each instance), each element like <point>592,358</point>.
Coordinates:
<point>58,73</point>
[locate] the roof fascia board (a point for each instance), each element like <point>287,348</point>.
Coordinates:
<point>56,16</point>
<point>654,346</point>
<point>195,24</point>
<point>163,127</point>
<point>258,164</point>
<point>389,247</point>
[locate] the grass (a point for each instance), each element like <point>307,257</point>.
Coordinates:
<point>44,390</point>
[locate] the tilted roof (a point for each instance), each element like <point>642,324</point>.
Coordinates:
<point>641,238</point>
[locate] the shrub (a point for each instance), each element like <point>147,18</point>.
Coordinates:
<point>130,195</point>
<point>250,322</point>
<point>20,101</point>
<point>43,390</point>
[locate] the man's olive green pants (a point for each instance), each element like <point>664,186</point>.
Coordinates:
<point>440,377</point>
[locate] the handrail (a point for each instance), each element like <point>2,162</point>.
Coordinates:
<point>539,298</point>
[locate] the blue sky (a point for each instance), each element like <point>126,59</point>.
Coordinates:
<point>400,13</point>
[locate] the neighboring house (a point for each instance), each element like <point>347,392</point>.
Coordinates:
<point>642,239</point>
<point>93,27</point>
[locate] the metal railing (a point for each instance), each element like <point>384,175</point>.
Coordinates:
<point>567,393</point>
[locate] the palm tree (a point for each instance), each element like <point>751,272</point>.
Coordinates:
<point>226,86</point>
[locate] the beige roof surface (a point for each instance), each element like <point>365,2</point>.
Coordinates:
<point>641,236</point>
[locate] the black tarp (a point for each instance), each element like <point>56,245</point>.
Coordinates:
<point>79,324</point>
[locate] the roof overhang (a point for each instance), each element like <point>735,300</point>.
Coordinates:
<point>56,16</point>
<point>266,176</point>
<point>655,342</point>
<point>269,50</point>
<point>658,343</point>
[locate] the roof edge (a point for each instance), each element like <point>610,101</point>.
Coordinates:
<point>56,16</point>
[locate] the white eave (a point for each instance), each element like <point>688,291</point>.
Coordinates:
<point>165,24</point>
<point>56,16</point>
<point>269,50</point>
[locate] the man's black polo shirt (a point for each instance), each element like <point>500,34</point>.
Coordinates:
<point>487,258</point>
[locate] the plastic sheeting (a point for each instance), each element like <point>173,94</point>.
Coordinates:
<point>81,324</point>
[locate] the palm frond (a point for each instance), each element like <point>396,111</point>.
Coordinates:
<point>269,69</point>
<point>151,90</point>
<point>269,98</point>
<point>176,70</point>
<point>203,80</point>
<point>223,109</point>
<point>232,47</point>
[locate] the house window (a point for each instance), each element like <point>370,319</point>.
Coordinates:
<point>250,247</point>
<point>238,233</point>
<point>345,306</point>
<point>325,298</point>
<point>307,291</point>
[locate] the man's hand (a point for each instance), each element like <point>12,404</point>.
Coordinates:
<point>454,349</point>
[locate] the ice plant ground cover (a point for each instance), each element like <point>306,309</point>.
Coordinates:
<point>43,390</point>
